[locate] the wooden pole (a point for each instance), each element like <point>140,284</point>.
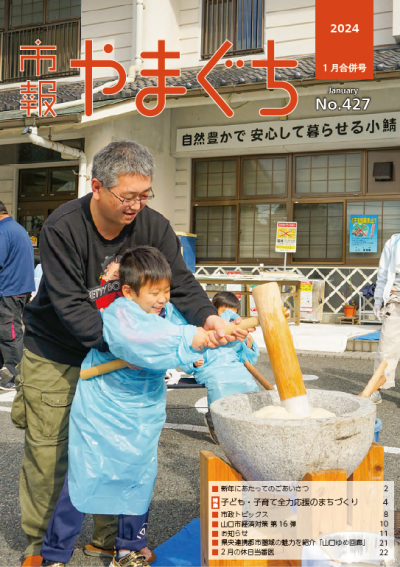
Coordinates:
<point>258,376</point>
<point>117,364</point>
<point>376,381</point>
<point>281,351</point>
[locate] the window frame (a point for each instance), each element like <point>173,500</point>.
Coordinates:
<point>270,202</point>
<point>327,195</point>
<point>7,19</point>
<point>218,197</point>
<point>232,52</point>
<point>291,198</point>
<point>305,261</point>
<point>263,197</point>
<point>216,204</point>
<point>53,197</point>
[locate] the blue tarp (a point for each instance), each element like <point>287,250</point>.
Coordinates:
<point>369,337</point>
<point>183,549</point>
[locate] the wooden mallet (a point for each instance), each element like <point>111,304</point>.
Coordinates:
<point>376,381</point>
<point>117,364</point>
<point>281,351</point>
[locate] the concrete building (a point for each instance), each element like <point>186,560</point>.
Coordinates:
<point>229,180</point>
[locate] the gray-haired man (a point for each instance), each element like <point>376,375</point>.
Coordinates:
<point>80,247</point>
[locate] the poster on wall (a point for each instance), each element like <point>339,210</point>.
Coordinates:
<point>364,233</point>
<point>286,236</point>
<point>306,297</point>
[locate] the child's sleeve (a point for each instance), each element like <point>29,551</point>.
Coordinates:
<point>246,353</point>
<point>148,341</point>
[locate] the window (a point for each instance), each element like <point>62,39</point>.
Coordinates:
<point>215,179</point>
<point>42,184</point>
<point>33,12</point>
<point>264,176</point>
<point>240,21</point>
<point>319,231</point>
<point>216,232</point>
<point>2,13</point>
<point>238,191</point>
<point>258,230</point>
<point>25,12</point>
<point>63,9</point>
<point>388,223</point>
<point>53,22</point>
<point>328,173</point>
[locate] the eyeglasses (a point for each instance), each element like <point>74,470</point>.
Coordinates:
<point>135,200</point>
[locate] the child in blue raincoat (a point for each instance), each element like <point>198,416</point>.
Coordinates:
<point>116,418</point>
<point>222,371</point>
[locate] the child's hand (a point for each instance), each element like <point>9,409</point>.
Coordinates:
<point>249,341</point>
<point>201,340</point>
<point>199,363</point>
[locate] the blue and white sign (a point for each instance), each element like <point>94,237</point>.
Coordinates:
<point>364,233</point>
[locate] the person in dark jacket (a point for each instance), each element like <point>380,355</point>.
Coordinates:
<point>16,284</point>
<point>80,247</point>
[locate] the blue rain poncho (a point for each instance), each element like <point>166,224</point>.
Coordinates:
<point>116,418</point>
<point>223,372</point>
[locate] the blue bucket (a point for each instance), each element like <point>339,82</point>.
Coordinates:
<point>378,427</point>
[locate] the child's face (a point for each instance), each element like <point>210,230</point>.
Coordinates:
<point>224,308</point>
<point>152,297</point>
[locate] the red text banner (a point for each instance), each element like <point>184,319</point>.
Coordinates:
<point>344,40</point>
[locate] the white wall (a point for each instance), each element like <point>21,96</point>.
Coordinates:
<point>7,188</point>
<point>107,23</point>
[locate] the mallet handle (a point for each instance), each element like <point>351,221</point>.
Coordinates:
<point>258,376</point>
<point>117,364</point>
<point>375,381</point>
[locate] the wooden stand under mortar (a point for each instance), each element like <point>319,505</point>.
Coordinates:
<point>214,469</point>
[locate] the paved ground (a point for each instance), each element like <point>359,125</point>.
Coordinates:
<point>176,498</point>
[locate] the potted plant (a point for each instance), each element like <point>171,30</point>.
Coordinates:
<point>349,308</point>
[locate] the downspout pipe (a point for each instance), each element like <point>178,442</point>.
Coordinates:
<point>37,140</point>
<point>137,29</point>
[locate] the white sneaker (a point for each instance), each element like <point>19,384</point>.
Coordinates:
<point>376,397</point>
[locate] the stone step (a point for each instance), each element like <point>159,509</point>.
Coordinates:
<point>360,345</point>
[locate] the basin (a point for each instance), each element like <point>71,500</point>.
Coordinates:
<point>272,449</point>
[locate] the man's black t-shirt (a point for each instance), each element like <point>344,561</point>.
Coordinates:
<point>80,276</point>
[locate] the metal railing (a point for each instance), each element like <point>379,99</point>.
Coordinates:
<point>240,21</point>
<point>341,284</point>
<point>66,36</point>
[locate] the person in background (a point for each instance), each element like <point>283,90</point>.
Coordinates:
<point>387,309</point>
<point>222,370</point>
<point>16,284</point>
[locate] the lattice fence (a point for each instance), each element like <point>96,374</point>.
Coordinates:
<point>341,284</point>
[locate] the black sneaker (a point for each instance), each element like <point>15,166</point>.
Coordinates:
<point>9,386</point>
<point>209,422</point>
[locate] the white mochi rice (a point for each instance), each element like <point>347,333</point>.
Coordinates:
<point>279,412</point>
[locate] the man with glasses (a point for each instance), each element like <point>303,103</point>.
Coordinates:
<point>80,247</point>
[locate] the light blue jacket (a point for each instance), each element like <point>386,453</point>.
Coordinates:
<point>223,372</point>
<point>116,418</point>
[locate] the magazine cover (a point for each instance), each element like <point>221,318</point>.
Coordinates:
<point>199,283</point>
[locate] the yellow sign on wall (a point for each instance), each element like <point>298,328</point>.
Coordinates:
<point>286,237</point>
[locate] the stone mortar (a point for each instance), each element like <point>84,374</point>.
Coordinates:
<point>273,449</point>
